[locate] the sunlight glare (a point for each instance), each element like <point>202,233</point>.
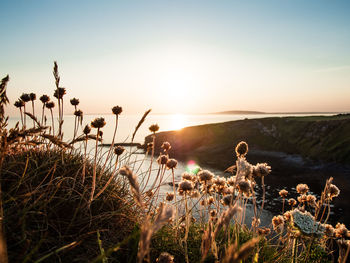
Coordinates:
<point>178,121</point>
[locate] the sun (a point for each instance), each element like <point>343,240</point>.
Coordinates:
<point>178,121</point>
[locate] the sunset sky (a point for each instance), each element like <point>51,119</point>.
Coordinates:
<point>181,56</point>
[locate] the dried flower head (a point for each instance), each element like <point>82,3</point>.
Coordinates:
<point>244,187</point>
<point>59,93</point>
<point>162,159</point>
<point>32,96</point>
<point>117,110</point>
<point>311,199</point>
<point>185,187</point>
<point>25,97</point>
<point>302,188</point>
<point>211,200</point>
<point>332,191</point>
<point>98,123</point>
<point>50,105</point>
<point>74,102</point>
<point>302,198</point>
<point>165,258</point>
<point>277,223</point>
<point>341,231</point>
<point>227,200</point>
<point>78,113</point>
<point>261,169</point>
<point>205,176</point>
<point>19,103</point>
<point>213,213</point>
<point>187,176</point>
<point>329,230</point>
<point>195,194</point>
<point>169,197</point>
<point>256,222</point>
<point>292,202</point>
<point>264,231</point>
<point>154,128</point>
<point>87,129</point>
<point>231,180</point>
<point>44,98</point>
<point>287,216</point>
<point>171,164</point>
<point>118,150</point>
<point>241,149</point>
<point>283,193</point>
<point>166,146</point>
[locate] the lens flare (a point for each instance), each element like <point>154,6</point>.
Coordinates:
<point>192,167</point>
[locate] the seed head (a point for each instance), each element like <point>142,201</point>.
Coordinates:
<point>244,187</point>
<point>44,99</point>
<point>302,188</point>
<point>117,110</point>
<point>25,97</point>
<point>74,102</point>
<point>154,128</point>
<point>292,202</point>
<point>205,176</point>
<point>261,169</point>
<point>165,258</point>
<point>119,150</point>
<point>311,199</point>
<point>169,197</point>
<point>213,213</point>
<point>185,187</point>
<point>98,123</point>
<point>333,191</point>
<point>59,93</point>
<point>32,96</point>
<point>195,194</point>
<point>187,176</point>
<point>277,222</point>
<point>50,105</point>
<point>241,149</point>
<point>87,129</point>
<point>227,200</point>
<point>341,231</point>
<point>171,164</point>
<point>302,198</point>
<point>19,103</point>
<point>162,159</point>
<point>166,146</point>
<point>78,113</point>
<point>283,193</point>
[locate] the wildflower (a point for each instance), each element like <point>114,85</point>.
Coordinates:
<point>227,200</point>
<point>78,113</point>
<point>98,123</point>
<point>244,187</point>
<point>32,96</point>
<point>241,149</point>
<point>59,93</point>
<point>264,231</point>
<point>169,197</point>
<point>220,181</point>
<point>19,103</point>
<point>287,216</point>
<point>166,146</point>
<point>154,128</point>
<point>231,181</point>
<point>74,102</point>
<point>117,110</point>
<point>244,168</point>
<point>119,150</point>
<point>162,159</point>
<point>255,222</point>
<point>44,99</point>
<point>87,129</point>
<point>210,200</point>
<point>341,231</point>
<point>50,105</point>
<point>302,199</point>
<point>292,202</point>
<point>25,97</point>
<point>329,230</point>
<point>213,213</point>
<point>283,193</point>
<point>185,187</point>
<point>277,223</point>
<point>205,176</point>
<point>195,194</point>
<point>171,164</point>
<point>187,176</point>
<point>302,188</point>
<point>165,257</point>
<point>311,199</point>
<point>306,223</point>
<point>333,191</point>
<point>261,169</point>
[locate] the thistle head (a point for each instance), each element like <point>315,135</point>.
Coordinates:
<point>205,176</point>
<point>98,123</point>
<point>25,97</point>
<point>119,150</point>
<point>74,102</point>
<point>117,110</point>
<point>19,103</point>
<point>241,149</point>
<point>169,197</point>
<point>185,187</point>
<point>162,159</point>
<point>32,96</point>
<point>166,146</point>
<point>44,99</point>
<point>154,128</point>
<point>59,93</point>
<point>50,105</point>
<point>261,169</point>
<point>302,188</point>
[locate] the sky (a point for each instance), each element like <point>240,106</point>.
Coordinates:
<point>180,56</point>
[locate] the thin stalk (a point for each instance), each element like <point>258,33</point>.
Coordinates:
<point>53,124</point>
<point>20,109</point>
<point>94,169</point>
<point>33,112</point>
<point>150,166</point>
<point>42,114</point>
<point>186,230</point>
<point>84,164</point>
<point>263,198</point>
<point>25,124</point>
<point>109,180</point>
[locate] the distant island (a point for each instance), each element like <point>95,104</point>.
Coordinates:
<point>246,112</point>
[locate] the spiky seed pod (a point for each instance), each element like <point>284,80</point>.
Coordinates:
<point>302,188</point>
<point>333,191</point>
<point>78,113</point>
<point>25,97</point>
<point>162,159</point>
<point>241,149</point>
<point>44,99</point>
<point>171,164</point>
<point>19,103</point>
<point>165,257</point>
<point>32,96</point>
<point>87,129</point>
<point>166,146</point>
<point>119,150</point>
<point>117,110</point>
<point>50,105</point>
<point>205,176</point>
<point>261,169</point>
<point>292,202</point>
<point>283,193</point>
<point>74,102</point>
<point>154,128</point>
<point>98,123</point>
<point>169,197</point>
<point>59,93</point>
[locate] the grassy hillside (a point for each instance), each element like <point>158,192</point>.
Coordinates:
<point>320,138</point>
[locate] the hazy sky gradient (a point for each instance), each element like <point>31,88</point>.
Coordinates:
<point>181,56</point>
